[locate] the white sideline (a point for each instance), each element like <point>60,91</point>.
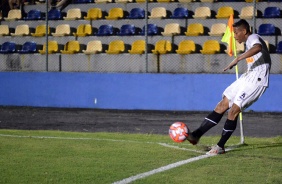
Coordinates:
<point>167,167</point>
<point>176,147</point>
<point>73,138</point>
<point>161,169</point>
<point>96,139</point>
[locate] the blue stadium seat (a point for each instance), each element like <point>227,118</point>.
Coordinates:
<point>54,14</point>
<point>28,47</point>
<point>152,30</point>
<point>266,29</point>
<point>8,47</point>
<point>136,13</point>
<point>105,30</point>
<point>180,13</point>
<point>127,30</point>
<point>33,15</point>
<point>279,48</point>
<point>271,12</point>
<point>82,1</point>
<point>274,0</point>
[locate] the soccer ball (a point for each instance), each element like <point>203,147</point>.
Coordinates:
<point>178,132</point>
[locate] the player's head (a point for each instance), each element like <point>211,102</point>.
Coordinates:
<point>241,30</point>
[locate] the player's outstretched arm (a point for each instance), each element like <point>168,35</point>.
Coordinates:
<point>233,63</point>
<point>254,50</point>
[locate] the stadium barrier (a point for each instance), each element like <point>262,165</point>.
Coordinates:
<point>181,92</point>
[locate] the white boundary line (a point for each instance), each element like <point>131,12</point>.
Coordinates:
<point>176,147</point>
<point>161,169</point>
<point>167,167</point>
<point>97,139</point>
<point>74,138</point>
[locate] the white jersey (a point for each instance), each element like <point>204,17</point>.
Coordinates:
<point>259,64</point>
<point>252,84</point>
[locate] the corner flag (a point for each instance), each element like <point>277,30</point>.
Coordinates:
<point>228,37</point>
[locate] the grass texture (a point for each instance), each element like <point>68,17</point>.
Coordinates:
<point>69,157</point>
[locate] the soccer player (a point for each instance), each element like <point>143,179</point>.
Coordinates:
<point>241,93</point>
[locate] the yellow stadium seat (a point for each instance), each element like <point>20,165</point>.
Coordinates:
<point>239,48</point>
<point>138,47</point>
<point>14,14</point>
<point>164,1</point>
<point>207,1</point>
<point>21,30</point>
<point>116,47</point>
<point>194,29</point>
<point>143,1</point>
<point>210,47</point>
<point>217,29</point>
<point>73,14</point>
<point>171,29</point>
<point>115,13</point>
<point>202,12</point>
<point>103,1</point>
<point>40,30</point>
<point>62,30</point>
<point>93,47</point>
<point>247,12</point>
<point>123,1</point>
<point>186,47</point>
<point>162,47</point>
<point>83,30</point>
<point>4,30</point>
<point>93,14</point>
<point>158,13</point>
<point>185,1</point>
<point>224,12</point>
<point>250,1</point>
<point>71,47</point>
<point>52,47</point>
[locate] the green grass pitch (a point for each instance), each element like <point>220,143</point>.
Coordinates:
<point>70,157</point>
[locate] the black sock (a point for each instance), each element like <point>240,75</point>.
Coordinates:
<point>210,121</point>
<point>228,129</point>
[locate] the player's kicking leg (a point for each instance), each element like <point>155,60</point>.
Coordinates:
<point>210,121</point>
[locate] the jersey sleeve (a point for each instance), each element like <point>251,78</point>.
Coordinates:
<point>254,39</point>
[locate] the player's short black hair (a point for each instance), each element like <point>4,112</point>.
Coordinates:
<point>242,23</point>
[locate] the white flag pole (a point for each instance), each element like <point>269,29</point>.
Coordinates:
<point>242,140</point>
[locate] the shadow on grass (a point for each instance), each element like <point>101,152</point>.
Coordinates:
<point>258,147</point>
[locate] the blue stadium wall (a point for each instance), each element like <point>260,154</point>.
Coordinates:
<point>184,92</point>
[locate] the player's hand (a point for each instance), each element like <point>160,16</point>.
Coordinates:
<point>230,66</point>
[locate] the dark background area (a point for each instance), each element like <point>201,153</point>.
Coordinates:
<point>256,124</point>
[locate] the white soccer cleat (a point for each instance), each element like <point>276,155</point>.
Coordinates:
<point>216,150</point>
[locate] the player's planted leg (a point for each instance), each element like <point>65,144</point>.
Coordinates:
<point>228,129</point>
<point>230,125</point>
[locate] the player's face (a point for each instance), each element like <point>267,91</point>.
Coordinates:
<point>239,34</point>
